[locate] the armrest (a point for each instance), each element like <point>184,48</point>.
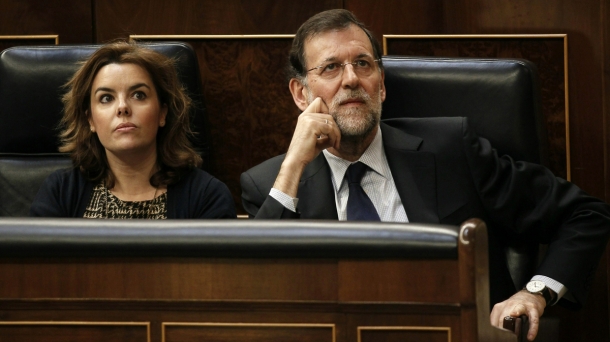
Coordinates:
<point>518,325</point>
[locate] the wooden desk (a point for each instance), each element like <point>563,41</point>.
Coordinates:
<point>102,285</point>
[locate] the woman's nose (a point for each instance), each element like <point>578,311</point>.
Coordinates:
<point>123,108</point>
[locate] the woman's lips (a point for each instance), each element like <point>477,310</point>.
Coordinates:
<point>125,126</point>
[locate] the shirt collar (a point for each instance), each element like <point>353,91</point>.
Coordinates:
<point>374,157</point>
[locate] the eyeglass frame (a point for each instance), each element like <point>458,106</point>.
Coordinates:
<point>342,65</point>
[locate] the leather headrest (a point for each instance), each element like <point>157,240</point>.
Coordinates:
<point>501,98</point>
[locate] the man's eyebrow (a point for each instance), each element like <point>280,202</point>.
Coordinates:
<point>330,59</point>
<point>334,58</point>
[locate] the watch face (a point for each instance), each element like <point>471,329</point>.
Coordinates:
<point>535,286</point>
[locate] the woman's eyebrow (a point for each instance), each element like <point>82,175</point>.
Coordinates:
<point>106,89</point>
<point>136,86</point>
<point>133,87</point>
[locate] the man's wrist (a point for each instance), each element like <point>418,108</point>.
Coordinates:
<point>285,200</point>
<point>559,290</point>
<point>539,288</point>
<point>288,178</point>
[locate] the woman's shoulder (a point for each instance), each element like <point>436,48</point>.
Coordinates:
<point>67,181</point>
<point>200,195</point>
<point>200,179</point>
<point>61,194</point>
<point>70,174</point>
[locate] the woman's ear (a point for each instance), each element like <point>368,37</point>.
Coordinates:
<point>163,115</point>
<point>91,125</point>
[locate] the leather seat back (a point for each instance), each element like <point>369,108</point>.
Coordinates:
<point>31,87</point>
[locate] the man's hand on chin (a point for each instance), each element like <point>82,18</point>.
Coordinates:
<point>316,130</point>
<point>521,303</point>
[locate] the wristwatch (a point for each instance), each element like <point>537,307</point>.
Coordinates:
<point>539,287</point>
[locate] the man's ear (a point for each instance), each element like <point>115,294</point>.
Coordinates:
<point>299,93</point>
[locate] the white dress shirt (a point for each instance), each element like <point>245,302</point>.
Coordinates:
<point>377,183</point>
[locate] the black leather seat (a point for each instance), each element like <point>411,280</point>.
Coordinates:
<point>31,80</point>
<point>501,99</point>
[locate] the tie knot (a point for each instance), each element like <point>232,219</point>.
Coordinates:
<point>355,172</point>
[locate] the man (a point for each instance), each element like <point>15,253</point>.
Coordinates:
<point>429,171</point>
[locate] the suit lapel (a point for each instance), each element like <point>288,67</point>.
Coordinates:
<point>414,174</point>
<point>316,194</point>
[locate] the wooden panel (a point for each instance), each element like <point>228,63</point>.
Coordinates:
<point>404,334</point>
<point>366,327</point>
<point>251,112</point>
<point>70,19</point>
<point>181,279</point>
<point>74,332</point>
<point>605,14</point>
<point>118,18</point>
<point>307,318</point>
<point>10,41</point>
<point>258,332</point>
<point>602,312</point>
<point>581,20</point>
<point>548,53</point>
<point>399,16</point>
<point>392,281</point>
<point>250,109</point>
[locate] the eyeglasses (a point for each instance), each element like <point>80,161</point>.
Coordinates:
<point>330,71</point>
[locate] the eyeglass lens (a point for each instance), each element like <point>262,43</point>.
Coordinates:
<point>362,68</point>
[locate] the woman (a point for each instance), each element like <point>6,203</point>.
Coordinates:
<point>126,126</point>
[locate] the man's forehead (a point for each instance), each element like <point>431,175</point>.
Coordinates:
<point>329,44</point>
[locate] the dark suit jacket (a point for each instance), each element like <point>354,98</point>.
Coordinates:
<point>445,174</point>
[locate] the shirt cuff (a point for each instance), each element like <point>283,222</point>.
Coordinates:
<point>554,285</point>
<point>288,202</point>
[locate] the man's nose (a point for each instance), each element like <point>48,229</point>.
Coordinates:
<point>349,78</point>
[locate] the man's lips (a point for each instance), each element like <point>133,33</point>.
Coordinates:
<point>352,101</point>
<point>125,126</point>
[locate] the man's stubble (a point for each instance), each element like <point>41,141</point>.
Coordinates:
<point>355,123</point>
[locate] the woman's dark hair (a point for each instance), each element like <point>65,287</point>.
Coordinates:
<point>336,19</point>
<point>175,154</point>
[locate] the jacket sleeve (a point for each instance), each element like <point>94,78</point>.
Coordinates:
<point>259,204</point>
<point>528,201</point>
